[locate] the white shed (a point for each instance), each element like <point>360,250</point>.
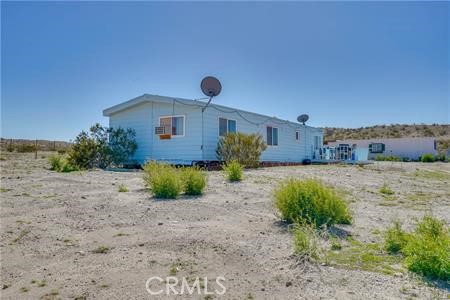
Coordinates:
<point>412,148</point>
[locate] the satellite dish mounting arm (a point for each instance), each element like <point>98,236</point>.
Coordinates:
<point>207,104</point>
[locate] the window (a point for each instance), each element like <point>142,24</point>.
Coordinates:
<point>272,136</point>
<point>376,148</point>
<point>173,125</point>
<point>297,135</point>
<point>343,152</point>
<point>226,126</point>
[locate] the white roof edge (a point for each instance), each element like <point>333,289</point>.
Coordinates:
<point>157,98</point>
<point>124,105</point>
<point>142,99</point>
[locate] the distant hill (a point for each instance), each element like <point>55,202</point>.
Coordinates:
<point>386,131</point>
<point>440,131</point>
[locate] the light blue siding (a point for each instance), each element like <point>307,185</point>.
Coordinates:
<point>139,118</point>
<point>203,128</point>
<point>184,148</point>
<point>288,149</point>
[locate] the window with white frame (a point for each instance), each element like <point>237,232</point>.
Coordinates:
<point>297,135</point>
<point>272,136</point>
<point>173,125</point>
<point>376,148</point>
<point>226,126</point>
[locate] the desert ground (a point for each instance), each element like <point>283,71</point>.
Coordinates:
<point>75,236</point>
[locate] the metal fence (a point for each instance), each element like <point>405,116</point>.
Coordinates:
<point>23,146</point>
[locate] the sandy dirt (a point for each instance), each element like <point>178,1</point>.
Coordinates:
<point>53,223</point>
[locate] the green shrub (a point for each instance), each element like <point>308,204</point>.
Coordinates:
<point>428,250</point>
<point>387,158</point>
<point>55,162</point>
<point>123,188</point>
<point>441,157</point>
<point>150,168</point>
<point>233,170</point>
<point>83,152</point>
<point>306,242</point>
<point>428,157</point>
<point>163,179</point>
<point>395,238</point>
<point>310,201</point>
<point>68,167</point>
<point>244,148</point>
<point>121,145</point>
<point>336,245</point>
<point>167,184</point>
<point>386,190</point>
<point>102,147</point>
<point>60,163</point>
<point>62,150</point>
<point>380,157</point>
<point>194,180</point>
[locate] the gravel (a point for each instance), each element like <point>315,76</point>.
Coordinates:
<point>51,223</point>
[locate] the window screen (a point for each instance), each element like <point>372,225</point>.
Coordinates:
<point>272,136</point>
<point>269,135</point>
<point>178,125</point>
<point>275,136</point>
<point>232,126</point>
<point>222,126</point>
<point>226,126</point>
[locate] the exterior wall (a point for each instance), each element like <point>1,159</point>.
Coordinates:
<point>288,149</point>
<point>139,118</point>
<point>411,148</point>
<point>183,149</point>
<point>145,117</point>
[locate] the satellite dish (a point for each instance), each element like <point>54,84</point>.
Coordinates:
<point>303,118</point>
<point>211,86</point>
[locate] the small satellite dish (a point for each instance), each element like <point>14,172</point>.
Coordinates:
<point>303,118</point>
<point>211,86</point>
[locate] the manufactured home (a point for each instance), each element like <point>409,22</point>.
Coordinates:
<point>408,148</point>
<point>182,131</point>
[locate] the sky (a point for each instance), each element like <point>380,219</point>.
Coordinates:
<point>346,64</point>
